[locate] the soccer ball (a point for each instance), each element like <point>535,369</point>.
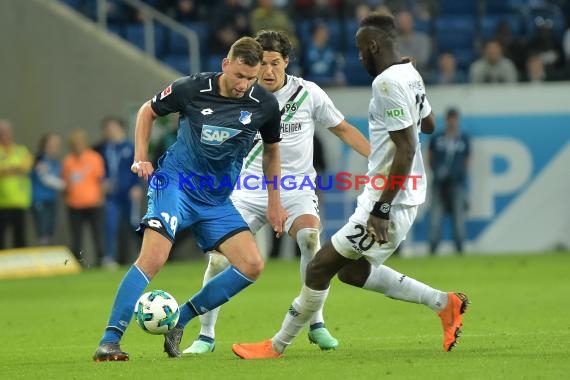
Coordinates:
<point>157,312</point>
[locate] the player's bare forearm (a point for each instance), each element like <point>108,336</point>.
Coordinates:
<point>143,128</point>
<point>145,118</point>
<point>271,163</point>
<point>352,137</point>
<point>428,124</point>
<point>402,163</point>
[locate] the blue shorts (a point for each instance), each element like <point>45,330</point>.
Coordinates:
<point>171,209</point>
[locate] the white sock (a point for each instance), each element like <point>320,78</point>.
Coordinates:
<point>216,264</point>
<point>396,285</point>
<point>300,312</point>
<point>309,244</point>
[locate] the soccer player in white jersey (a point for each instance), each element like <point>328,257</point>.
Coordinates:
<point>398,111</point>
<point>304,107</point>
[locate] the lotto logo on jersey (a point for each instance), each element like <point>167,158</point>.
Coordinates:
<point>213,135</point>
<point>395,112</point>
<point>167,91</point>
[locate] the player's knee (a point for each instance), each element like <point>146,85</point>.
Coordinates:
<point>151,261</point>
<point>218,262</point>
<point>317,273</point>
<point>350,277</point>
<point>308,240</point>
<point>252,268</point>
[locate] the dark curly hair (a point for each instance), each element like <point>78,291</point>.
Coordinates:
<point>271,40</point>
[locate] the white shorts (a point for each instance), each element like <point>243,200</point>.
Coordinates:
<point>352,240</point>
<point>253,206</point>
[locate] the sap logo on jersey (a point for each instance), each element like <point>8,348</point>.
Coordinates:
<point>213,135</point>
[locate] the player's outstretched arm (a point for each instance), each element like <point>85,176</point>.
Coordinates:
<point>145,118</point>
<point>352,137</point>
<point>271,162</point>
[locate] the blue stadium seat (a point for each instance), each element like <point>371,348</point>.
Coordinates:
<point>349,37</point>
<point>178,44</point>
<point>86,7</point>
<point>134,33</point>
<point>303,31</point>
<point>117,29</point>
<point>455,32</point>
<point>423,26</point>
<point>458,7</point>
<point>355,74</point>
<point>75,4</point>
<point>335,34</point>
<point>214,63</point>
<point>497,7</point>
<point>464,58</point>
<point>178,62</point>
<point>304,28</point>
<point>488,24</point>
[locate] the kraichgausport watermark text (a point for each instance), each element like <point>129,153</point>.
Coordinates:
<point>339,181</point>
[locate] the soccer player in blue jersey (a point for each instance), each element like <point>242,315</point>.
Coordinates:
<point>220,114</point>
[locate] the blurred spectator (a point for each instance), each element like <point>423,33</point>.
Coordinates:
<point>15,189</point>
<point>311,9</point>
<point>513,46</point>
<point>447,71</point>
<point>46,185</point>
<point>566,46</point>
<point>548,48</point>
<point>182,10</point>
<point>449,158</point>
<point>535,72</point>
<point>412,43</point>
<point>229,23</point>
<point>361,11</point>
<point>321,60</point>
<point>123,190</point>
<point>493,67</point>
<point>187,10</point>
<point>83,171</point>
<point>267,17</point>
<point>420,9</point>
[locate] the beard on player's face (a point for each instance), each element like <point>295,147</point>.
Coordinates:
<point>238,78</point>
<point>370,65</point>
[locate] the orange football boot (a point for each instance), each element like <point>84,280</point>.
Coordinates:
<point>451,319</point>
<point>260,350</point>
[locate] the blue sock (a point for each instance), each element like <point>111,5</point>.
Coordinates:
<point>215,293</point>
<point>130,289</point>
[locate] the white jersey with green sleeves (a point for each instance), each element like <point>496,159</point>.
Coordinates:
<point>398,101</point>
<point>305,106</point>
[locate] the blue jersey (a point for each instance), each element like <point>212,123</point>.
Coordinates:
<point>118,158</point>
<point>215,133</point>
<point>41,192</point>
<point>448,158</point>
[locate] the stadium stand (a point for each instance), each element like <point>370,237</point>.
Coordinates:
<point>456,27</point>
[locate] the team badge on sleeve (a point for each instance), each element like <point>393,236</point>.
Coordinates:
<point>245,117</point>
<point>167,91</point>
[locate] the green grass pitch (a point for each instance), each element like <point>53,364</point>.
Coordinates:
<point>518,326</point>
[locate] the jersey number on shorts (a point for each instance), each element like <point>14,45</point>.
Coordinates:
<point>173,221</point>
<point>361,238</point>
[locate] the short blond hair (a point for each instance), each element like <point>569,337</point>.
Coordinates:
<point>247,50</point>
